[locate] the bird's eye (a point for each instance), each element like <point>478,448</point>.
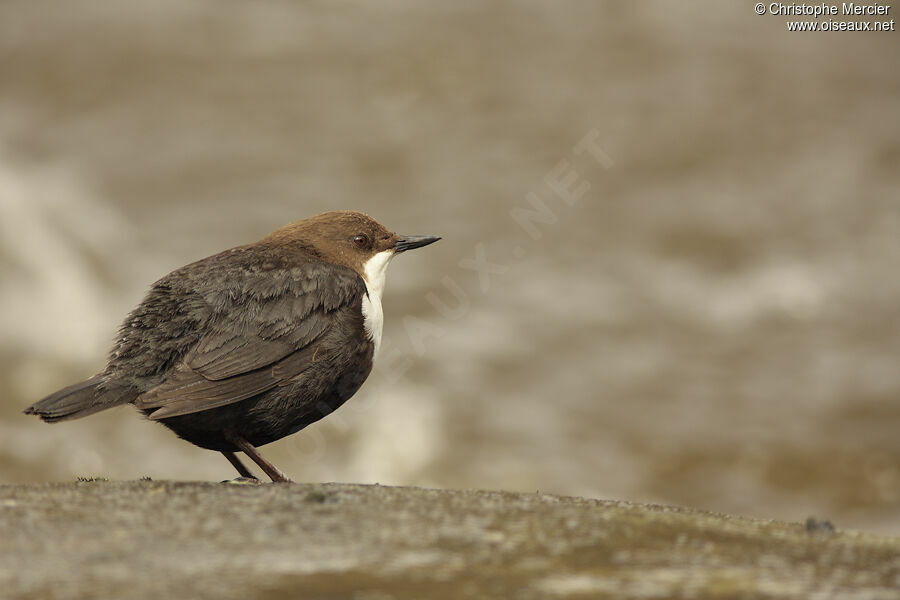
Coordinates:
<point>361,240</point>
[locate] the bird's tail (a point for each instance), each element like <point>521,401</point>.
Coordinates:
<point>76,401</point>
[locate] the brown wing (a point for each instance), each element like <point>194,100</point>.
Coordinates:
<point>257,340</point>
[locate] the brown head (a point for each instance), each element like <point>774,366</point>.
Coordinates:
<point>351,239</point>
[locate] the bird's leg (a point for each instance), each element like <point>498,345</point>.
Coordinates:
<point>237,464</point>
<point>247,448</point>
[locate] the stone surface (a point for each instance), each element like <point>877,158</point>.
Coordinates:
<point>162,539</point>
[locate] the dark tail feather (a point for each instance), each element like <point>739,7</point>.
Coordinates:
<point>75,401</point>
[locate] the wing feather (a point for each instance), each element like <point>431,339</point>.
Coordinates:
<point>256,341</point>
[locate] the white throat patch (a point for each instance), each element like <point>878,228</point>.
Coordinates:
<point>373,316</point>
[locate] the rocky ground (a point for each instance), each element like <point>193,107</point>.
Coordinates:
<point>164,539</point>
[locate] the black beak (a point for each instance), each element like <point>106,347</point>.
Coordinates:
<point>408,242</point>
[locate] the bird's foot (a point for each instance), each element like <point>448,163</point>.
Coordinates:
<point>243,481</point>
<point>279,477</point>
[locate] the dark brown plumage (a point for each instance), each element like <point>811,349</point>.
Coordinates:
<point>252,344</point>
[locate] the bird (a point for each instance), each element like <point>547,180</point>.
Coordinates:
<point>252,344</point>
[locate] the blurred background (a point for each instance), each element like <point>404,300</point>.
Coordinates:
<point>709,317</point>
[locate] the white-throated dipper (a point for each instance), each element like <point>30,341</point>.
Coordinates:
<point>252,344</point>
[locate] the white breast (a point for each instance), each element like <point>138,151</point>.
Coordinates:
<point>373,316</point>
